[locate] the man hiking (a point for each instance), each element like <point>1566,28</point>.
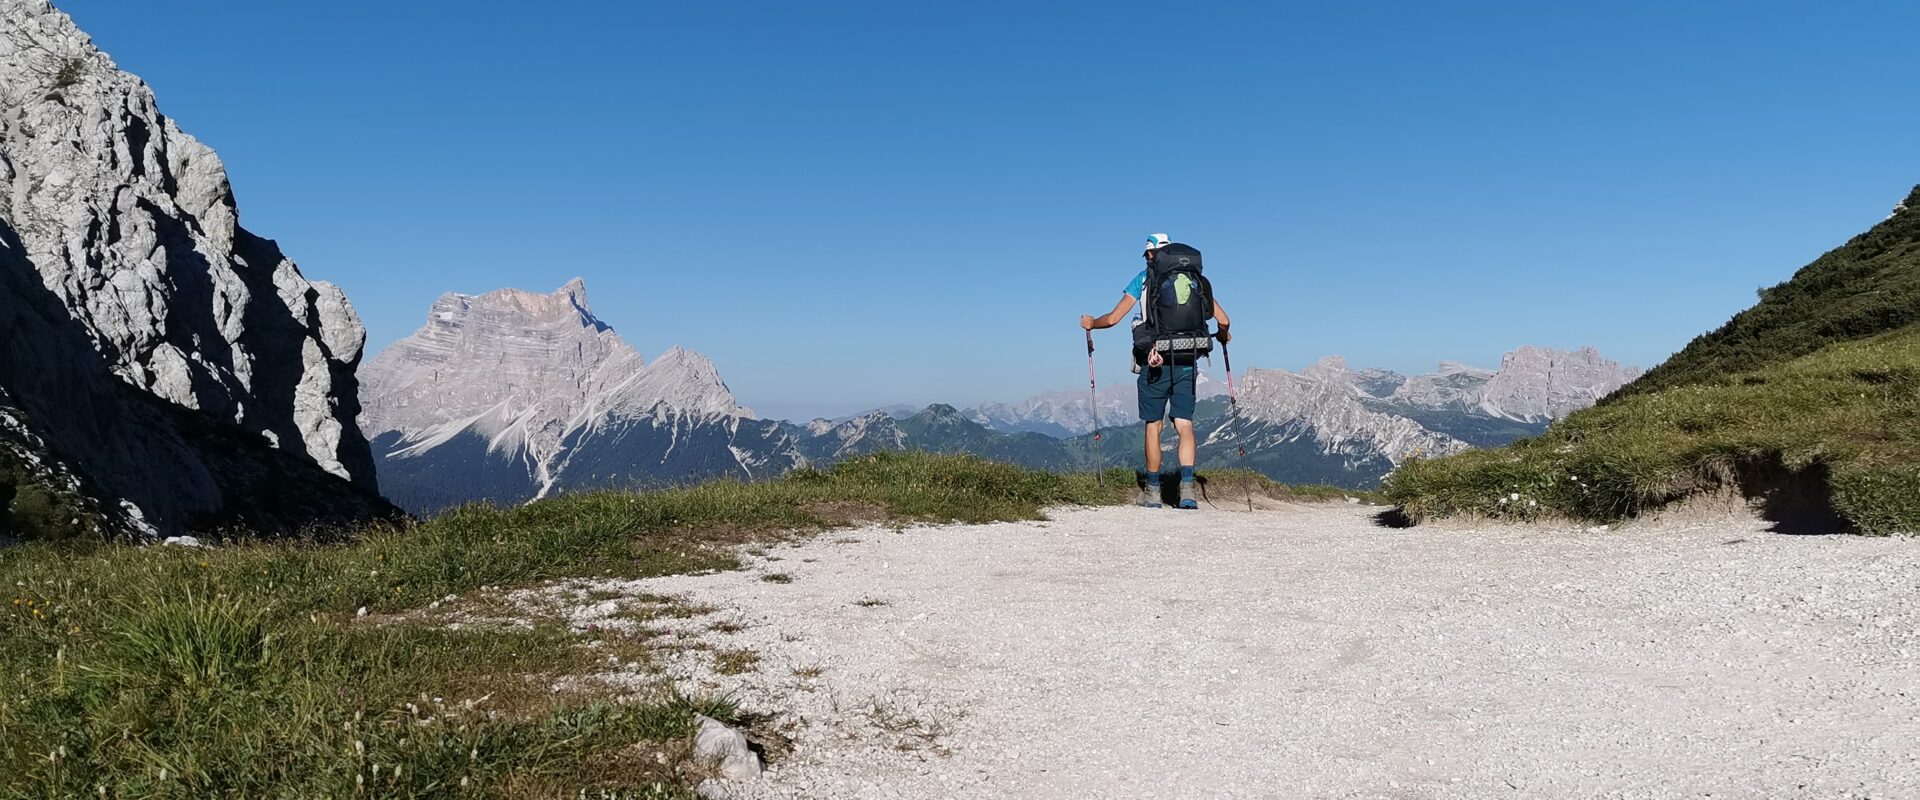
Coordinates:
<point>1169,335</point>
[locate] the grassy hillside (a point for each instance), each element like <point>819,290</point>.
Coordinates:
<point>249,671</point>
<point>1809,403</point>
<point>1865,287</point>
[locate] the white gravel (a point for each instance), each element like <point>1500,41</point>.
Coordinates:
<point>1307,652</point>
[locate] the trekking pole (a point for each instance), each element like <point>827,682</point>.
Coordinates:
<point>1233,409</point>
<point>1093,406</point>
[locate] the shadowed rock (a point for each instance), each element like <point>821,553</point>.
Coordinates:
<point>179,368</point>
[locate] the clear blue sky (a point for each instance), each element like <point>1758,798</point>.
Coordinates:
<point>855,204</point>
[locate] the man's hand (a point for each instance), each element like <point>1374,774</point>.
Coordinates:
<point>1154,359</point>
<point>1223,336</point>
<point>1086,322</point>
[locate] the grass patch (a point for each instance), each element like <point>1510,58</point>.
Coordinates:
<point>243,671</point>
<point>1836,432</point>
<point>777,577</point>
<point>735,661</point>
<point>870,602</point>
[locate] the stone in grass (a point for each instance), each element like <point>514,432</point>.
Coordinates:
<point>727,750</point>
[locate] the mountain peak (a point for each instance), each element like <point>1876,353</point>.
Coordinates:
<point>566,305</point>
<point>1456,367</point>
<point>1543,383</point>
<point>941,412</point>
<point>576,293</point>
<point>1329,368</point>
<point>528,373</point>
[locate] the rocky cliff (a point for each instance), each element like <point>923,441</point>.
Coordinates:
<point>1324,402</point>
<point>1537,384</point>
<point>511,395</point>
<point>178,368</point>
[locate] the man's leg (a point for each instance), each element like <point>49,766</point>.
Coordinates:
<point>1184,427</point>
<point>1154,430</point>
<point>1155,383</point>
<point>1183,401</point>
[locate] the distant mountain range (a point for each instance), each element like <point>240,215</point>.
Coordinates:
<point>510,396</point>
<point>1065,413</point>
<point>1330,424</point>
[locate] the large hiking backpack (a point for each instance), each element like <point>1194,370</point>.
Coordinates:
<point>1177,303</point>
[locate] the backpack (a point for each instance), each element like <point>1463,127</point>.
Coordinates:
<point>1177,303</point>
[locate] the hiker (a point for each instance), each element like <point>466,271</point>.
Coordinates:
<point>1169,334</point>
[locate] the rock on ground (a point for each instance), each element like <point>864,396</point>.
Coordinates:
<point>1307,652</point>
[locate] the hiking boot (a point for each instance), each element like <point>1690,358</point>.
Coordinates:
<point>1186,495</point>
<point>1150,496</point>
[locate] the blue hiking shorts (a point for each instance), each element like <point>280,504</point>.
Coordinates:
<point>1163,386</point>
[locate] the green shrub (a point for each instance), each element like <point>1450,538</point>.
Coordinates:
<point>1880,501</point>
<point>72,69</point>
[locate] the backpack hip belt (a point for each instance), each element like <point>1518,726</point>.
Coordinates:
<point>1185,344</point>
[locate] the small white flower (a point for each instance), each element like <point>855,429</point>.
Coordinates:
<point>1514,496</point>
<point>1503,501</point>
<point>1531,504</point>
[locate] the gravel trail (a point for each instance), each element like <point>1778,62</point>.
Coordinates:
<point>1306,652</point>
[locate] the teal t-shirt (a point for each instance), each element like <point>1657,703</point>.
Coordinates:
<point>1135,290</point>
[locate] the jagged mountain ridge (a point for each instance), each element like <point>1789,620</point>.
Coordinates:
<point>1330,424</point>
<point>938,428</point>
<point>175,368</point>
<point>1324,400</point>
<point>521,395</point>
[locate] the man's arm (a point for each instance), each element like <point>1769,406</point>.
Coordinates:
<point>1220,319</point>
<point>1112,318</point>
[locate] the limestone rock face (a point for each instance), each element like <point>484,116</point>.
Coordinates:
<point>1453,386</point>
<point>1325,401</point>
<point>511,395</point>
<point>1536,383</point>
<point>143,323</point>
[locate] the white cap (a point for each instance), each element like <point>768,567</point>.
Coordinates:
<point>1157,241</point>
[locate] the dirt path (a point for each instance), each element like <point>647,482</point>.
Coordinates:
<point>1306,652</point>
